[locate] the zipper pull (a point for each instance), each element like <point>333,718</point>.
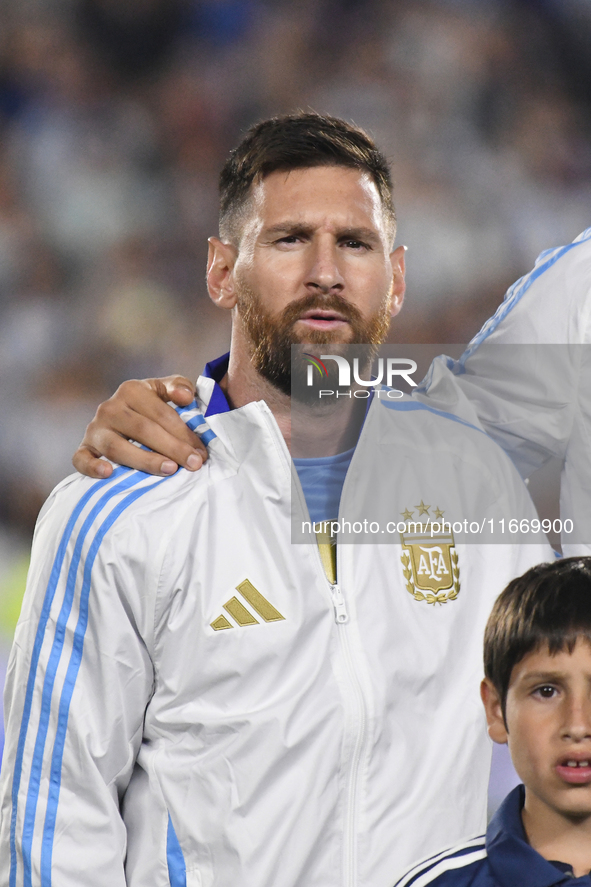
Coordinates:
<point>338,602</point>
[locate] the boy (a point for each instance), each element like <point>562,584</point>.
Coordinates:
<point>537,696</point>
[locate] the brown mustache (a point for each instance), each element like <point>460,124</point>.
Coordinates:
<point>332,302</point>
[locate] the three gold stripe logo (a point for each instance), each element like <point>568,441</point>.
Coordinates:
<point>241,615</point>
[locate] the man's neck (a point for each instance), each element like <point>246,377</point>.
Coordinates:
<point>556,836</point>
<point>308,432</point>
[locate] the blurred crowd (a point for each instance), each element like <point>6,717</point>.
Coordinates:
<point>115,118</point>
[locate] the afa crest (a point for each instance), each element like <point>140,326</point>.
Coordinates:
<point>430,561</point>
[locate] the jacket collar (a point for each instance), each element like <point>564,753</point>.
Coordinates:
<point>212,395</point>
<point>512,860</point>
<point>216,370</point>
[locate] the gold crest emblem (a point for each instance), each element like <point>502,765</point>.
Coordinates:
<point>430,561</point>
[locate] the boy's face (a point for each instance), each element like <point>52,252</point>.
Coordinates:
<point>549,727</point>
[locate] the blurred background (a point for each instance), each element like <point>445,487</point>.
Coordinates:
<point>115,118</point>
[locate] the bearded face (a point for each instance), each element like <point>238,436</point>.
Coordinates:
<point>271,337</point>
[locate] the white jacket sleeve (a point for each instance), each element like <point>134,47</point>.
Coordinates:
<point>527,374</point>
<point>522,369</point>
<point>79,680</point>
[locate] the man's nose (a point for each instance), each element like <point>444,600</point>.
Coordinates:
<point>325,273</point>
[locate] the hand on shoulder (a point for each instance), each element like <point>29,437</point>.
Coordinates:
<point>139,411</point>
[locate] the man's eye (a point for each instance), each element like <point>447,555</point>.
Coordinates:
<point>289,238</point>
<point>355,244</point>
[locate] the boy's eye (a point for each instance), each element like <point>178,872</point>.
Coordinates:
<point>546,692</point>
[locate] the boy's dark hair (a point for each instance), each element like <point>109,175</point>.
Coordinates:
<point>549,606</point>
<point>298,141</point>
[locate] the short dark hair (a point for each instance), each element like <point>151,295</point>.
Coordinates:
<point>549,606</point>
<point>299,141</point>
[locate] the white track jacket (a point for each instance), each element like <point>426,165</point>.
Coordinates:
<point>528,376</point>
<point>191,703</point>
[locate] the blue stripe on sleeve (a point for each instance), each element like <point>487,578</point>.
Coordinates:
<point>192,406</point>
<point>40,634</point>
<point>410,406</point>
<point>544,262</point>
<point>207,436</point>
<point>71,676</point>
<point>53,664</point>
<point>195,421</point>
<point>177,870</point>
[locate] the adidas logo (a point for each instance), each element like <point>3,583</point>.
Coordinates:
<point>239,613</point>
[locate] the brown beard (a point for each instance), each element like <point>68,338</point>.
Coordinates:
<point>271,338</point>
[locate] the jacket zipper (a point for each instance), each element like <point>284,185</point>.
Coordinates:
<point>341,616</point>
<point>358,730</point>
<point>350,862</point>
<point>340,607</point>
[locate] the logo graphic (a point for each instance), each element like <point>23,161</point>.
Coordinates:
<point>395,366</point>
<point>429,559</point>
<point>240,614</point>
<point>314,362</point>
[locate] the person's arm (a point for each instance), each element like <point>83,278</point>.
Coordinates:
<point>139,411</point>
<point>79,681</point>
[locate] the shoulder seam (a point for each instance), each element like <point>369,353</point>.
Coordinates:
<point>515,293</point>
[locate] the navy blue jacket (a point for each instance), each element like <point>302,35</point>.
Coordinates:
<point>501,858</point>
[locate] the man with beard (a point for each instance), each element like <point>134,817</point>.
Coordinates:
<point>192,699</point>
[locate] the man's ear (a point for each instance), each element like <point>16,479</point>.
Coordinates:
<point>221,258</point>
<point>398,281</point>
<point>494,712</point>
